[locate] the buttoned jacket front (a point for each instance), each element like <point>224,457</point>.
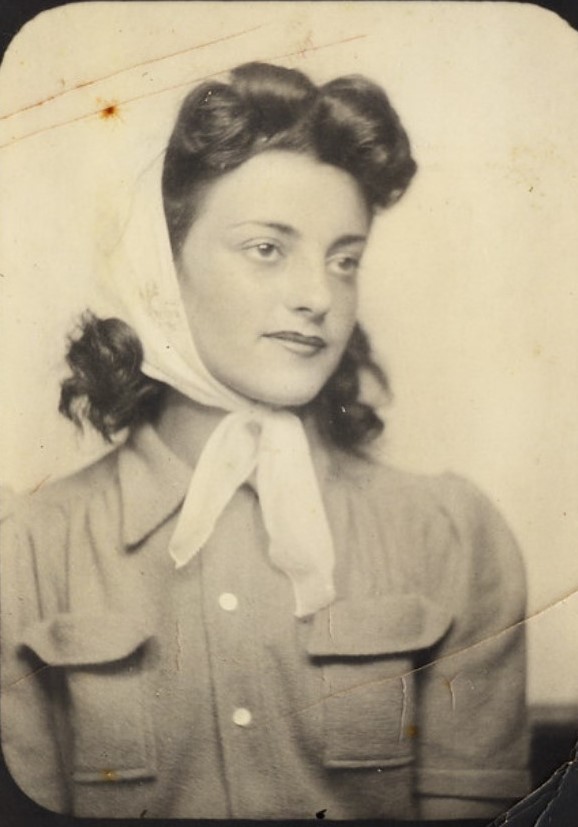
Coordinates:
<point>130,686</point>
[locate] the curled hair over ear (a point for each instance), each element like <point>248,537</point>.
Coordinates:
<point>342,418</point>
<point>106,387</point>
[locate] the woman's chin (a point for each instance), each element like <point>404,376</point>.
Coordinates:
<point>284,396</point>
<point>288,400</point>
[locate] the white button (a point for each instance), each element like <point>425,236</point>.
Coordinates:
<point>242,716</point>
<point>228,602</point>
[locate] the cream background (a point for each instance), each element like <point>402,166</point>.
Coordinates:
<point>470,289</point>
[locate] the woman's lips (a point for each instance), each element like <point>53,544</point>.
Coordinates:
<point>297,342</point>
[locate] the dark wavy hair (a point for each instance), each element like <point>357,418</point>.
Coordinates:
<point>347,123</point>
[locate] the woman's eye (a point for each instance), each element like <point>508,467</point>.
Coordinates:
<point>264,251</point>
<point>344,265</point>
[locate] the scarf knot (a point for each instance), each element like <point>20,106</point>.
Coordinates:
<point>272,444</point>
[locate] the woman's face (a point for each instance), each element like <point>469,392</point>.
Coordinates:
<point>268,274</point>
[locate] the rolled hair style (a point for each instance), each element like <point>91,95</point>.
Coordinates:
<point>347,123</point>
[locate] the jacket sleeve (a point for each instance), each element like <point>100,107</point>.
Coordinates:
<point>472,732</point>
<point>29,692</point>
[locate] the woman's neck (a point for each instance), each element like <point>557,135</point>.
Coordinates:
<point>185,426</point>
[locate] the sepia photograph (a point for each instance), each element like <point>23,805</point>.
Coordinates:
<point>289,369</point>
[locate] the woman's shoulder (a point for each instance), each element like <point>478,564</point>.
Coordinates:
<point>42,529</point>
<point>446,506</point>
<point>443,537</point>
<point>135,482</point>
<point>447,492</point>
<point>55,500</point>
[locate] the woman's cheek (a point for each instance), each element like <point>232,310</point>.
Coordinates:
<point>345,311</point>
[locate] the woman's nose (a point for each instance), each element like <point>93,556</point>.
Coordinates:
<point>308,290</point>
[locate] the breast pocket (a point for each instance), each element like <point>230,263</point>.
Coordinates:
<point>367,652</point>
<point>101,657</point>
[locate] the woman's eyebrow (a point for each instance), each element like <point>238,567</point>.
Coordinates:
<point>346,240</point>
<point>285,229</point>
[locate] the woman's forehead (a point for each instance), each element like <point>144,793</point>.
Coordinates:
<point>288,189</point>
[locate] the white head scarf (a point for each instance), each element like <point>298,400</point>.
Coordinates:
<point>143,287</point>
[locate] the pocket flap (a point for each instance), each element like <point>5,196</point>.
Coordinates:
<point>378,626</point>
<point>83,639</point>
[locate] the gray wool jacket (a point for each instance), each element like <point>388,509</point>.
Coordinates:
<point>129,686</point>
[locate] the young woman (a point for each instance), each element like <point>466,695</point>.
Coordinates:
<point>238,613</point>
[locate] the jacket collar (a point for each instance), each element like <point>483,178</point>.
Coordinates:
<point>153,484</point>
<point>154,480</point>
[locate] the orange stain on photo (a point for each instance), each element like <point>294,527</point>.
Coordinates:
<point>111,110</point>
